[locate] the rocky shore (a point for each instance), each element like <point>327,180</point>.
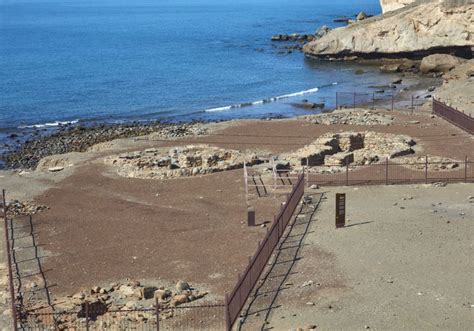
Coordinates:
<point>80,138</point>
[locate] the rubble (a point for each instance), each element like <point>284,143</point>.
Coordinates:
<point>129,305</point>
<point>187,161</point>
<point>435,163</point>
<point>16,208</point>
<point>353,117</point>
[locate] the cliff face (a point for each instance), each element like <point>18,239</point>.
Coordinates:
<point>416,30</point>
<point>389,5</point>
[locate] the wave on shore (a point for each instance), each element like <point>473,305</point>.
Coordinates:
<point>268,100</point>
<point>46,125</point>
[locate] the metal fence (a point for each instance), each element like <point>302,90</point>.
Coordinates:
<point>390,172</point>
<point>203,317</point>
<point>246,281</point>
<point>376,100</point>
<point>454,116</point>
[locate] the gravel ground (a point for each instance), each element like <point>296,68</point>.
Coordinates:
<point>101,227</point>
<point>403,262</point>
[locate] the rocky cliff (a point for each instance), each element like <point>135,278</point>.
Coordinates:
<point>418,29</point>
<point>390,5</point>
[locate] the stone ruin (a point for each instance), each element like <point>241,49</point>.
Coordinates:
<point>178,162</point>
<point>357,148</point>
<point>114,305</point>
<point>353,117</point>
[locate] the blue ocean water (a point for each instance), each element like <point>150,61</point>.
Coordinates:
<point>112,60</point>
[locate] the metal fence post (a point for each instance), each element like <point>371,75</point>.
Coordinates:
<point>392,102</point>
<point>354,100</point>
<point>87,315</point>
<point>373,101</point>
<point>386,171</point>
<point>426,170</point>
<point>336,101</point>
<point>157,312</point>
<point>412,104</point>
<point>465,169</point>
<point>9,261</point>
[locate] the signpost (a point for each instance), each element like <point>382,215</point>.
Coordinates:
<point>340,210</point>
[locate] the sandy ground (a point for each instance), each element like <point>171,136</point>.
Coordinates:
<point>403,262</point>
<point>102,228</point>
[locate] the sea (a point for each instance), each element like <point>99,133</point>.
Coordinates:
<point>116,61</point>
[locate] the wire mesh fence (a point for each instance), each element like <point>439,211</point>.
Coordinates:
<point>384,100</point>
<point>203,317</point>
<point>390,172</point>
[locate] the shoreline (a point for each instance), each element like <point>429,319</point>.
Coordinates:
<point>24,151</point>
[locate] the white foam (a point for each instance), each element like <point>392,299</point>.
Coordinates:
<point>45,125</point>
<point>260,102</point>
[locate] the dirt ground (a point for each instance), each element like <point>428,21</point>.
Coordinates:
<point>403,262</point>
<point>102,228</point>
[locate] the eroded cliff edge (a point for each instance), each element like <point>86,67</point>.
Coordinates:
<point>416,30</point>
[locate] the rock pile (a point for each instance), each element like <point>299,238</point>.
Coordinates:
<point>356,117</point>
<point>178,162</point>
<point>129,305</point>
<point>16,208</point>
<point>79,139</point>
<point>359,148</point>
<point>435,163</point>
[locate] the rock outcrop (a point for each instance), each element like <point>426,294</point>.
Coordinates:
<point>457,89</point>
<point>391,5</point>
<point>414,31</point>
<point>439,63</point>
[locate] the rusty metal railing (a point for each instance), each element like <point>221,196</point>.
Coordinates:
<point>9,262</point>
<point>454,116</point>
<point>235,301</point>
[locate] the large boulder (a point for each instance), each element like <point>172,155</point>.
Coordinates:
<point>415,30</point>
<point>439,63</point>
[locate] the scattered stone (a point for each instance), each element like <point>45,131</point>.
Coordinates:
<point>16,208</point>
<point>309,303</point>
<point>182,286</point>
<point>361,16</point>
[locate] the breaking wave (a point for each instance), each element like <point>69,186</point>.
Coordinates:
<point>268,100</point>
<point>46,125</point>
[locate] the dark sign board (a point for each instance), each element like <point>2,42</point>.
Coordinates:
<point>340,210</point>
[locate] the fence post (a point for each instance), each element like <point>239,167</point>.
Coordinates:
<point>412,104</point>
<point>336,101</point>
<point>392,102</point>
<point>354,99</point>
<point>465,169</point>
<point>386,171</point>
<point>157,312</point>
<point>227,313</point>
<point>9,261</point>
<point>347,172</point>
<point>87,314</point>
<point>373,101</point>
<point>426,169</point>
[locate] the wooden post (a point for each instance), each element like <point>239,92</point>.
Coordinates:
<point>86,305</point>
<point>157,312</point>
<point>251,216</point>
<point>9,261</point>
<point>228,322</point>
<point>465,169</point>
<point>426,170</point>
